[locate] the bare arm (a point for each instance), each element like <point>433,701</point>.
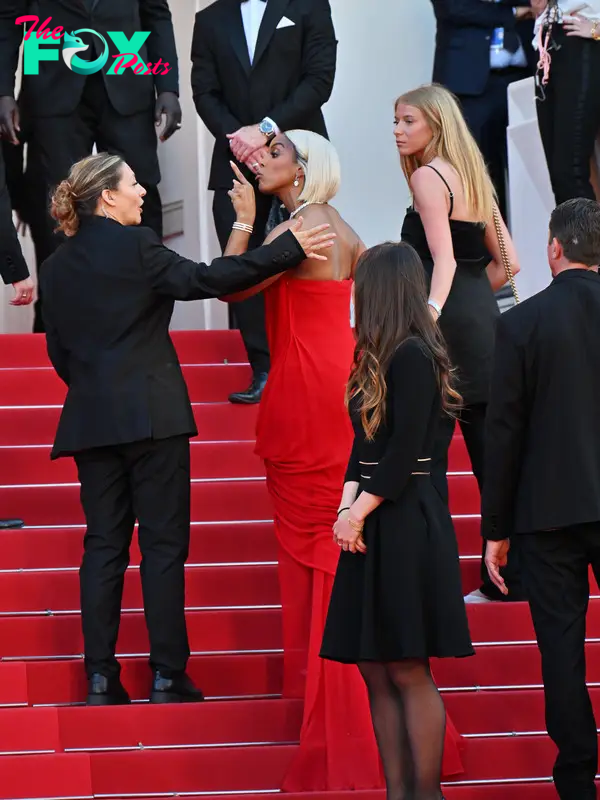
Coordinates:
<point>431,201</point>
<point>495,269</point>
<point>243,199</point>
<point>236,240</point>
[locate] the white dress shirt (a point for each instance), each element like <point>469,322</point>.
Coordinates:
<point>252,13</point>
<point>500,57</point>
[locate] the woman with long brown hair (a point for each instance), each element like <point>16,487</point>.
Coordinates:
<point>397,598</point>
<point>452,225</point>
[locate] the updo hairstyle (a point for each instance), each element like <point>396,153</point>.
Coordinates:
<point>77,196</point>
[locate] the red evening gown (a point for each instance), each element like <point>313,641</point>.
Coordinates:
<point>304,436</point>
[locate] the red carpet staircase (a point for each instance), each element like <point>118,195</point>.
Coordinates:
<point>239,743</point>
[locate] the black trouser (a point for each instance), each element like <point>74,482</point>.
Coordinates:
<point>487,117</point>
<point>472,425</point>
<point>61,141</point>
<point>555,577</point>
<point>148,481</point>
<point>248,315</point>
<point>568,111</point>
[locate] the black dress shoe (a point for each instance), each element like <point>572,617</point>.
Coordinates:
<point>106,691</point>
<point>253,393</point>
<point>174,690</point>
<point>11,523</point>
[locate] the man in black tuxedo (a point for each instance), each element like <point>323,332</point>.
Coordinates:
<point>481,48</point>
<point>71,113</point>
<point>543,475</point>
<point>259,66</point>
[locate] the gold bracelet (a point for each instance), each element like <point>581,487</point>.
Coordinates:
<point>356,526</point>
<point>594,32</point>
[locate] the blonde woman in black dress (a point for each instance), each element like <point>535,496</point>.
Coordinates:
<point>397,598</point>
<point>451,226</point>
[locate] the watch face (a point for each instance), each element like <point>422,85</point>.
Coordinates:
<point>266,128</point>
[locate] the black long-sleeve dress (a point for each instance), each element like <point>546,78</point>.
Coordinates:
<point>403,598</point>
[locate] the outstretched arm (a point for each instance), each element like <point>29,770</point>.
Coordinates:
<point>235,298</point>
<point>182,279</point>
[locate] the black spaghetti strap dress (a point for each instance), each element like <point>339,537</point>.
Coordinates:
<point>469,316</point>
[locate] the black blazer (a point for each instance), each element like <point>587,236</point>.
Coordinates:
<point>13,267</point>
<point>290,79</point>
<point>57,90</point>
<point>462,45</point>
<point>109,293</point>
<point>542,446</point>
<point>413,407</point>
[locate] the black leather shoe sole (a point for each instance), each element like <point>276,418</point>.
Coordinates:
<point>245,399</point>
<point>174,697</point>
<point>107,700</point>
<point>11,523</point>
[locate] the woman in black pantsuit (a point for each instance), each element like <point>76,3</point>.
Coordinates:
<point>109,295</point>
<point>397,598</point>
<point>568,100</point>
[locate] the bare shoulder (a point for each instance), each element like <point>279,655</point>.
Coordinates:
<point>427,178</point>
<point>277,231</point>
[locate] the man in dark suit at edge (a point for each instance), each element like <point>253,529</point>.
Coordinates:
<point>70,113</point>
<point>542,468</point>
<point>482,46</point>
<point>13,269</point>
<point>258,67</point>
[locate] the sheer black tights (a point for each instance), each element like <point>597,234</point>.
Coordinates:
<point>409,720</point>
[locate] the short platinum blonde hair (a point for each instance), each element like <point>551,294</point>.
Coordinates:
<point>321,165</point>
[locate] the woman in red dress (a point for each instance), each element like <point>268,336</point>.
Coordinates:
<point>304,436</point>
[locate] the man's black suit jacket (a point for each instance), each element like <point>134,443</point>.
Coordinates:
<point>290,79</point>
<point>542,446</point>
<point>57,89</point>
<point>109,293</point>
<point>12,263</point>
<point>463,36</point>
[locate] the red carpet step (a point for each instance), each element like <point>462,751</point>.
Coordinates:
<point>234,630</point>
<point>210,459</point>
<point>207,347</point>
<point>206,587</point>
<point>264,722</point>
<point>225,769</point>
<point>212,501</point>
<point>25,426</point>
<point>260,674</point>
<point>242,675</point>
<point>241,542</point>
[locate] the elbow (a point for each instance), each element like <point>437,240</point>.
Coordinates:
<point>446,265</point>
